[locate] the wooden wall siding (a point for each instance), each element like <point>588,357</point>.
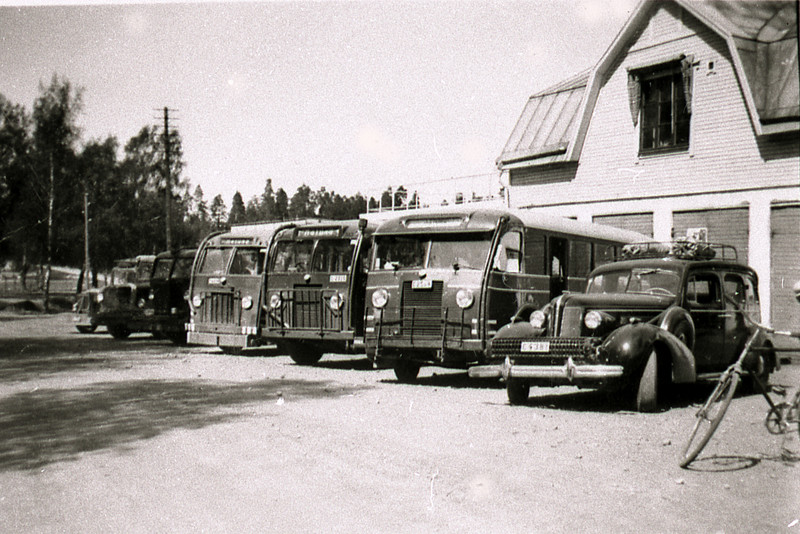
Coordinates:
<point>724,153</point>
<point>638,222</point>
<point>726,226</point>
<point>785,257</point>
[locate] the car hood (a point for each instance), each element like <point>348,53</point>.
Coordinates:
<point>604,301</point>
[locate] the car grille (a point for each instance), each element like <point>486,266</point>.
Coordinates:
<point>218,308</point>
<point>560,348</point>
<point>422,310</point>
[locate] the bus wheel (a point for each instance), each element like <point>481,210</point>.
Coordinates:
<point>231,350</point>
<point>177,338</point>
<point>118,331</point>
<point>406,371</point>
<point>304,355</point>
<point>518,391</point>
<point>86,329</point>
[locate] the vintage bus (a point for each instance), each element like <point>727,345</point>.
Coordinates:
<point>226,287</point>
<point>440,285</point>
<point>316,282</point>
<point>167,305</point>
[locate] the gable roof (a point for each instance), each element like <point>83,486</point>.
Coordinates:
<point>762,40</point>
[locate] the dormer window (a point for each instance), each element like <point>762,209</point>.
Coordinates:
<point>661,102</point>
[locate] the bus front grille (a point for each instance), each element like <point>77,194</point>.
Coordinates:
<point>305,308</point>
<point>422,310</point>
<point>218,308</point>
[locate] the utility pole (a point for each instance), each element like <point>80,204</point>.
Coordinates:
<point>87,264</point>
<point>168,180</point>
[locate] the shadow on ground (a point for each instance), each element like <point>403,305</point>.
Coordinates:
<point>24,359</point>
<point>54,425</point>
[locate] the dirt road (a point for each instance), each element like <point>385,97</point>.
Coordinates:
<point>98,435</point>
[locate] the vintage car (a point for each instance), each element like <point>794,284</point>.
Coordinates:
<point>86,310</point>
<point>664,314</point>
<point>122,304</point>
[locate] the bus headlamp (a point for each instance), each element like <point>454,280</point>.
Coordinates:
<point>151,295</point>
<point>197,300</point>
<point>336,301</point>
<point>538,319</point>
<point>380,297</point>
<point>100,297</point>
<point>593,319</point>
<point>141,303</point>
<point>275,301</point>
<point>247,302</point>
<point>464,298</point>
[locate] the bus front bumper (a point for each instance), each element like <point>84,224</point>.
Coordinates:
<point>222,336</point>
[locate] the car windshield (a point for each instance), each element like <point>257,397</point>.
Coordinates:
<point>215,261</point>
<point>434,252</point>
<point>655,281</point>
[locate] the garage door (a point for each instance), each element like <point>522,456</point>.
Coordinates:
<point>638,222</point>
<point>785,310</point>
<point>725,226</point>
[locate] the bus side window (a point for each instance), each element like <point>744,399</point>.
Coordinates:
<point>534,253</point>
<point>604,254</point>
<point>508,253</point>
<point>580,256</point>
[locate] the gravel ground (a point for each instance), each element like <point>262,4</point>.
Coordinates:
<point>98,435</point>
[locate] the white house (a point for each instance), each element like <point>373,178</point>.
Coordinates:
<point>689,123</point>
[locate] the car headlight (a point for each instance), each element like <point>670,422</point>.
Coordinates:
<point>464,298</point>
<point>538,319</point>
<point>336,301</point>
<point>247,302</point>
<point>197,300</point>
<point>593,319</point>
<point>380,297</point>
<point>274,301</point>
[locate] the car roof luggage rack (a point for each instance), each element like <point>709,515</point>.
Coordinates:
<point>684,249</point>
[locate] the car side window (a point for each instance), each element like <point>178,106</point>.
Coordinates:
<point>703,291</point>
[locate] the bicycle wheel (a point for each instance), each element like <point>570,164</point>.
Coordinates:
<point>777,421</point>
<point>709,416</point>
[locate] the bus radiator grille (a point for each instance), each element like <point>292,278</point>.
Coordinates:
<point>422,310</point>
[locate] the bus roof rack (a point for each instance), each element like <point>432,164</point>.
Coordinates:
<point>684,249</point>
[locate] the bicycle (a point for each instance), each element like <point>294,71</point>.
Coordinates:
<point>779,418</point>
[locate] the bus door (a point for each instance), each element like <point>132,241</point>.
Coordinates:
<point>504,281</point>
<point>557,265</point>
<point>358,283</point>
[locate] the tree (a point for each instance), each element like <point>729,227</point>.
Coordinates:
<point>238,213</point>
<point>281,205</point>
<point>15,146</point>
<point>218,210</point>
<point>268,209</point>
<point>301,205</point>
<point>55,133</point>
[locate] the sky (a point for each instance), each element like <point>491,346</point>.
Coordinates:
<point>350,96</point>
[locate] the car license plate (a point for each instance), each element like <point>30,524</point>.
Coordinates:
<point>421,284</point>
<point>534,346</point>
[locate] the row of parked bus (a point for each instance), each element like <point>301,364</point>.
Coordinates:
<point>423,288</point>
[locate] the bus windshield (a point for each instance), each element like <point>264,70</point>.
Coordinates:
<point>143,271</point>
<point>215,261</point>
<point>432,251</point>
<point>162,268</point>
<point>333,255</point>
<point>247,261</point>
<point>292,256</point>
<point>650,280</point>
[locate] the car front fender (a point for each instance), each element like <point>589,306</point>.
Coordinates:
<point>631,345</point>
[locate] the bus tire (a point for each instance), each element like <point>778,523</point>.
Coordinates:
<point>304,354</point>
<point>86,329</point>
<point>406,371</point>
<point>518,391</point>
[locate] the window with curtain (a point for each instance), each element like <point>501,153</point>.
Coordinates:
<point>660,97</point>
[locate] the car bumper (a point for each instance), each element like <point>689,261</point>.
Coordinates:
<point>568,372</point>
